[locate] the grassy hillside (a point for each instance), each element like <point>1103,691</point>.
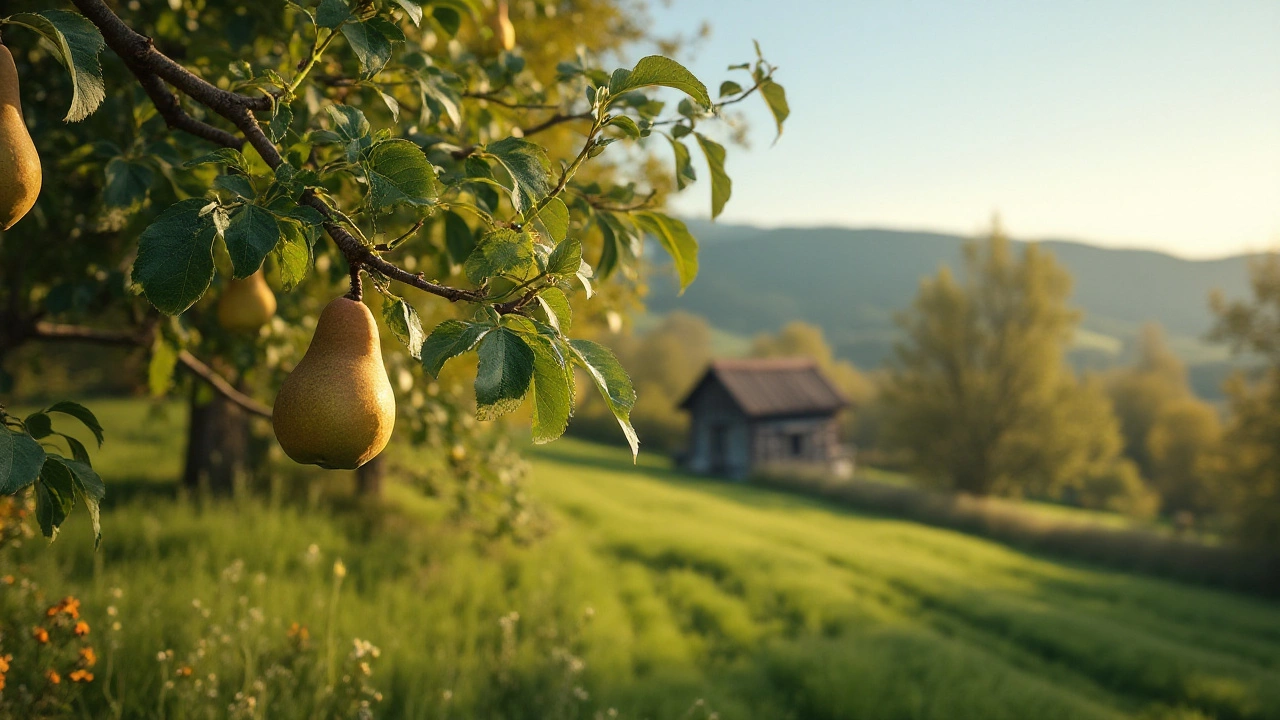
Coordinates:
<point>655,594</point>
<point>852,281</point>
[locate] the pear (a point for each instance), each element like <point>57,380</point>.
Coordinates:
<point>503,31</point>
<point>246,305</point>
<point>336,408</point>
<point>19,163</point>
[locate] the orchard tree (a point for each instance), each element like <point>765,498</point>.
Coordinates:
<point>274,152</point>
<point>980,396</point>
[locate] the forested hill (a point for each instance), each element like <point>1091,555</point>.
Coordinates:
<point>851,282</point>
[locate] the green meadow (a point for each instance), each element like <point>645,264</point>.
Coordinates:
<point>649,594</point>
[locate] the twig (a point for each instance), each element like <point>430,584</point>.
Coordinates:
<point>219,383</point>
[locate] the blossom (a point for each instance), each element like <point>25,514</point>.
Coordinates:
<point>185,671</point>
<point>299,632</point>
<point>41,635</point>
<point>52,676</point>
<point>81,628</point>
<point>88,656</point>
<point>81,676</point>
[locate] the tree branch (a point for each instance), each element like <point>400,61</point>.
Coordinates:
<point>77,333</point>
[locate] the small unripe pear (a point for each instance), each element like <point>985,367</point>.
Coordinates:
<point>504,33</point>
<point>19,163</point>
<point>247,304</point>
<point>336,409</point>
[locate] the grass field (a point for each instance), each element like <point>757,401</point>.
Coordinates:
<point>653,594</point>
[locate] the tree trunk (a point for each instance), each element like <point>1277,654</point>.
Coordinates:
<point>217,444</point>
<point>369,478</point>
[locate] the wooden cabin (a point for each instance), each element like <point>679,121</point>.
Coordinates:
<point>747,415</point>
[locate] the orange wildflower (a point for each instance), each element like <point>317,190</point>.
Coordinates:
<point>41,635</point>
<point>52,611</point>
<point>71,606</point>
<point>8,580</point>
<point>81,676</point>
<point>185,671</point>
<point>52,676</point>
<point>82,628</point>
<point>4,663</point>
<point>299,632</point>
<point>88,656</point>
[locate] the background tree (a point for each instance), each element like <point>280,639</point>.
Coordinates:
<point>980,397</point>
<point>1139,392</point>
<point>801,339</point>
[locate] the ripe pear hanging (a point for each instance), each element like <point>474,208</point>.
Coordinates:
<point>336,409</point>
<point>246,305</point>
<point>19,164</point>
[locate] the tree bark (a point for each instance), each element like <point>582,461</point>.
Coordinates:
<point>369,478</point>
<point>217,444</point>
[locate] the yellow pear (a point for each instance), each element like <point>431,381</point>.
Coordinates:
<point>19,163</point>
<point>247,304</point>
<point>336,408</point>
<point>504,33</point>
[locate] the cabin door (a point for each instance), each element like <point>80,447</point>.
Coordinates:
<point>719,449</point>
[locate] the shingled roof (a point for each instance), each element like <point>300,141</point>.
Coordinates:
<point>767,387</point>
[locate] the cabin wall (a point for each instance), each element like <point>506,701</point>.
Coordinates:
<point>719,435</point>
<point>795,440</point>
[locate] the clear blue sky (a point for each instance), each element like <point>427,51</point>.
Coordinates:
<point>1135,123</point>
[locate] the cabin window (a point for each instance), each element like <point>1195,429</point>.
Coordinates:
<point>797,445</point>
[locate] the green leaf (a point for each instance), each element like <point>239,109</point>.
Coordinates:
<point>458,237</point>
<point>500,252</point>
<point>78,44</point>
<point>20,460</point>
<point>504,373</point>
<point>552,389</point>
<point>554,217</point>
<point>55,495</point>
<point>450,20</point>
<point>627,126</point>
<point>677,240</point>
<point>399,172</point>
<point>221,156</point>
<point>238,185</point>
<point>160,369</point>
<point>281,119</point>
<point>78,450</point>
<point>348,122</point>
<point>252,234</point>
<point>556,305</point>
<point>333,13</point>
<point>608,250</point>
<point>403,322</point>
<point>39,425</point>
<point>293,255</point>
<point>659,70</point>
<point>371,47</point>
<point>684,163</point>
<point>729,87</point>
<point>612,381</point>
<point>530,170</point>
<point>89,489</point>
<point>81,413</point>
<point>412,9</point>
<point>450,339</point>
<point>776,98</point>
<point>721,185</point>
<point>566,259</point>
<point>175,257</point>
<point>127,183</point>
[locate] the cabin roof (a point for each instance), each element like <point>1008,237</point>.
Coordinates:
<point>767,387</point>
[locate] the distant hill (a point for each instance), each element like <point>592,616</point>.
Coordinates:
<point>851,282</point>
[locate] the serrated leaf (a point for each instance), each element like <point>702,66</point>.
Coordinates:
<point>529,168</point>
<point>458,238</point>
<point>222,156</point>
<point>252,233</point>
<point>127,183</point>
<point>78,44</point>
<point>676,239</point>
<point>21,458</point>
<point>449,339</point>
<point>371,47</point>
<point>81,413</point>
<point>293,255</point>
<point>403,322</point>
<point>39,425</point>
<point>55,495</point>
<point>160,369</point>
<point>557,308</point>
<point>278,128</point>
<point>503,374</point>
<point>399,172</point>
<point>684,163</point>
<point>333,13</point>
<point>659,70</point>
<point>175,257</point>
<point>349,122</point>
<point>613,383</point>
<point>554,218</point>
<point>553,391</point>
<point>500,252</point>
<point>89,489</point>
<point>721,185</point>
<point>626,125</point>
<point>566,259</point>
<point>776,98</point>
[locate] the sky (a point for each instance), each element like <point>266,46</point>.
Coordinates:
<point>1125,123</point>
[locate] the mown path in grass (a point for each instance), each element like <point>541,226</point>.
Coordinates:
<point>840,615</point>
